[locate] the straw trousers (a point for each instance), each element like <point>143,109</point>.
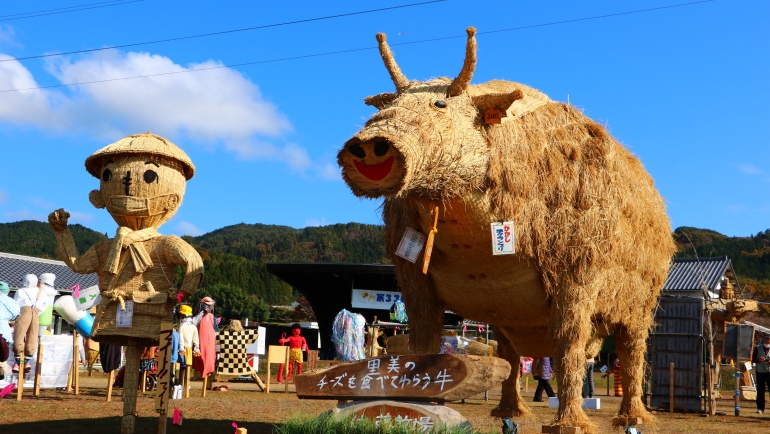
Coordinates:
<point>27,324</point>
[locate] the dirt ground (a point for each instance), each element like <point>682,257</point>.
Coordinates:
<point>88,412</point>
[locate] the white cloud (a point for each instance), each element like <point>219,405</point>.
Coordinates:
<point>3,197</point>
<point>24,214</point>
<point>219,108</point>
<point>316,222</point>
<point>41,203</point>
<point>8,35</point>
<point>80,217</point>
<point>750,169</point>
<point>187,228</point>
<point>329,172</point>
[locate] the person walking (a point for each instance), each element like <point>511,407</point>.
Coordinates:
<point>761,357</point>
<point>542,373</point>
<point>588,382</point>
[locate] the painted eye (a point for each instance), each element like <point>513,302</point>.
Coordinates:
<point>381,148</point>
<point>357,150</point>
<point>106,175</point>
<point>440,103</point>
<point>150,176</point>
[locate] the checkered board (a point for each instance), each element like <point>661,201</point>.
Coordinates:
<point>232,352</point>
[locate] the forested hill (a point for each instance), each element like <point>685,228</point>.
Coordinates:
<point>234,256</point>
<point>750,255</point>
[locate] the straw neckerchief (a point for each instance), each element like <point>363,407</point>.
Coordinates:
<point>132,240</point>
<point>429,244</point>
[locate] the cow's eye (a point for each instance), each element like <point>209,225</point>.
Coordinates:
<point>150,176</point>
<point>357,150</point>
<point>106,175</point>
<point>440,103</point>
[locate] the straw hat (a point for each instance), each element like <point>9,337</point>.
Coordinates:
<point>207,300</point>
<point>185,309</point>
<point>145,143</point>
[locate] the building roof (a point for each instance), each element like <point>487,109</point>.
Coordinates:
<point>13,268</point>
<point>693,274</point>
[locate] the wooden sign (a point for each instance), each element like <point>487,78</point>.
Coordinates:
<point>163,390</point>
<point>493,116</point>
<point>415,377</point>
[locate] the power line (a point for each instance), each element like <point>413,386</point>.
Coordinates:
<point>224,32</point>
<point>65,10</point>
<point>352,50</point>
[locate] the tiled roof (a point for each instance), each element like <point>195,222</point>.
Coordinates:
<point>13,268</point>
<point>692,274</point>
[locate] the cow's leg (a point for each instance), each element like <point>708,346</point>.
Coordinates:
<point>571,327</point>
<point>630,343</point>
<point>511,395</point>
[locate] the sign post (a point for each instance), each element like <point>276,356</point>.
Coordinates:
<point>162,392</point>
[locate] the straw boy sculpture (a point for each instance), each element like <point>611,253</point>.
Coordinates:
<point>142,182</point>
<point>592,239</point>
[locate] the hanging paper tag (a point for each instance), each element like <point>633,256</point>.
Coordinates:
<point>88,297</point>
<point>410,245</point>
<point>493,116</point>
<point>503,242</point>
<point>125,318</point>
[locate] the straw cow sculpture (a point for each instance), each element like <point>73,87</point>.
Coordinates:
<point>592,238</point>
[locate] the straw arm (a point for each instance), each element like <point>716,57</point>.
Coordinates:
<point>178,252</point>
<point>68,252</point>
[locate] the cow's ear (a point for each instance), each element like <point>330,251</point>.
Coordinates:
<point>382,100</point>
<point>502,101</point>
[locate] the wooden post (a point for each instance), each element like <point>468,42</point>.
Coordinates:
<point>205,380</point>
<point>130,378</point>
<point>187,381</point>
<point>75,359</point>
<point>738,368</point>
<point>710,391</point>
<point>38,362</point>
<point>286,372</point>
<point>144,381</point>
<point>20,385</point>
<point>608,376</point>
<point>267,390</point>
<point>671,388</point>
<point>163,390</point>
<point>110,380</point>
<point>76,373</point>
<point>526,384</point>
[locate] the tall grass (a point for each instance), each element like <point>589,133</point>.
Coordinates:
<point>326,424</point>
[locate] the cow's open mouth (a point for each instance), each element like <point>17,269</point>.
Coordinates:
<point>375,172</point>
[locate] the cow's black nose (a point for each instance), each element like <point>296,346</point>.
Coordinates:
<point>381,148</point>
<point>357,150</point>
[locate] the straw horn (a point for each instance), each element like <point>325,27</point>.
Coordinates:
<point>462,81</point>
<point>399,79</point>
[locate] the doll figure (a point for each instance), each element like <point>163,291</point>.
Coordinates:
<point>189,343</point>
<point>297,344</point>
<point>142,180</point>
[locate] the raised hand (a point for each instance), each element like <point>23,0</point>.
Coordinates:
<point>58,219</point>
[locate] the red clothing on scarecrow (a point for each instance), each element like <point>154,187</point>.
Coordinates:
<point>207,335</point>
<point>297,344</point>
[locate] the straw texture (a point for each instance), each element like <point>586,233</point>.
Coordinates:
<point>145,143</point>
<point>593,241</point>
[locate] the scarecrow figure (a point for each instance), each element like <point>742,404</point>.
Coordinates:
<point>297,344</point>
<point>207,333</point>
<point>142,182</point>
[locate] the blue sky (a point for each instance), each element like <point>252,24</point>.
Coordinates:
<point>686,89</point>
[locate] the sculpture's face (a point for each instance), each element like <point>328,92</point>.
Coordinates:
<point>295,332</point>
<point>139,191</point>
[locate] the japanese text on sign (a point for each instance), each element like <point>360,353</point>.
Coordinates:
<point>503,241</point>
<point>369,299</point>
<point>411,244</point>
<point>391,376</point>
